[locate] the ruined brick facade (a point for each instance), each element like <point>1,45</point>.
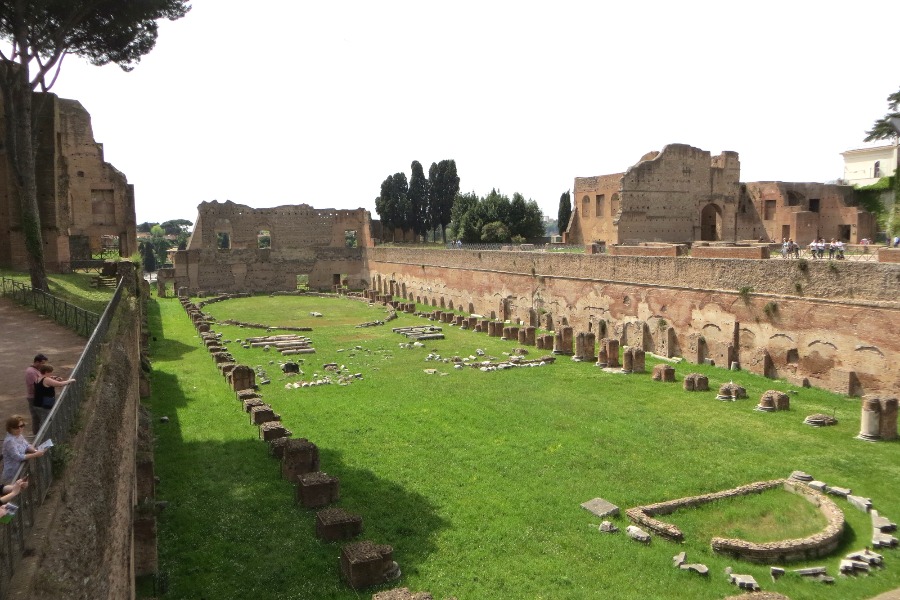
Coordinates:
<point>842,333</point>
<point>224,253</point>
<point>81,197</point>
<point>683,194</point>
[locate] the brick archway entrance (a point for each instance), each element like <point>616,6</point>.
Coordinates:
<point>711,223</point>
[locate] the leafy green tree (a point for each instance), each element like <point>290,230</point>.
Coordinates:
<point>882,128</point>
<point>462,223</point>
<point>565,211</point>
<point>443,182</point>
<point>40,33</point>
<point>418,200</point>
<point>176,226</point>
<point>392,204</point>
<point>160,244</point>
<point>494,232</point>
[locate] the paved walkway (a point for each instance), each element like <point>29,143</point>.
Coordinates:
<point>24,333</point>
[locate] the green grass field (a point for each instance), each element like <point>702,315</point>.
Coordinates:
<point>476,478</point>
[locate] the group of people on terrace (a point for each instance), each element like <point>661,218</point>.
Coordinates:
<point>41,388</point>
<point>817,248</point>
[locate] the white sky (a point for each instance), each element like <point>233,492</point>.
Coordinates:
<point>286,102</point>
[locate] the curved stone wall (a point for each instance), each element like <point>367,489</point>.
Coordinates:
<point>817,545</point>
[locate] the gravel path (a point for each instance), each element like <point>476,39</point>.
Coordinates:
<point>24,333</point>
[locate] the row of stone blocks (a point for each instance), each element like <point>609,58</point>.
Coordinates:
<point>363,564</point>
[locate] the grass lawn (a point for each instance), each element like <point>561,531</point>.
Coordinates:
<point>74,288</point>
<point>476,478</point>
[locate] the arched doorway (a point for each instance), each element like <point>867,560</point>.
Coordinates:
<point>711,223</point>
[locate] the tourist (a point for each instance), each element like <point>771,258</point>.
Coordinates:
<point>831,249</point>
<point>32,374</point>
<point>897,241</point>
<point>795,248</point>
<point>16,449</point>
<point>45,390</point>
<point>785,247</point>
<point>813,251</point>
<point>839,249</point>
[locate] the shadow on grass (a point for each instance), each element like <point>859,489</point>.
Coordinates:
<point>160,347</point>
<point>232,528</point>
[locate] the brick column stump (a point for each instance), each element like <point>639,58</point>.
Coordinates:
<point>333,524</point>
<point>318,489</point>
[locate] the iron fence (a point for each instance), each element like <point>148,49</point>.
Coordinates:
<point>64,313</point>
<point>57,427</point>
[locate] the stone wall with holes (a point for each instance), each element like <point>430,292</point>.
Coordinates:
<point>835,324</point>
<point>235,248</point>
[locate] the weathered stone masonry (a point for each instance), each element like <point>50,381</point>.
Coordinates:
<point>843,333</point>
<point>304,241</point>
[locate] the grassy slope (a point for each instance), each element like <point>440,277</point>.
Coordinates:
<point>476,478</point>
<point>74,288</point>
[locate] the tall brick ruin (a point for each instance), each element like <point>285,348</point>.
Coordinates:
<point>82,199</point>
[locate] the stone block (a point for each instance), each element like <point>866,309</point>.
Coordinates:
<point>365,564</point>
<point>600,507</point>
<point>249,403</point>
<point>663,372</point>
<point>299,457</point>
<point>333,524</point>
<point>317,489</point>
<point>272,430</point>
<point>859,503</point>
<point>883,524</point>
<point>263,414</point>
<point>637,534</point>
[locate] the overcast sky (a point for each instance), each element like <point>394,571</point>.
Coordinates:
<point>287,102</point>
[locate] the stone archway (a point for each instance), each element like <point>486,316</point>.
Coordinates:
<point>711,223</point>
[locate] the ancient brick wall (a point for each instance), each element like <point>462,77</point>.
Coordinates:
<point>79,194</point>
<point>683,194</point>
<point>842,333</point>
<point>596,200</point>
<point>667,250</point>
<point>100,198</point>
<point>750,252</point>
<point>303,241</point>
<point>889,255</point>
<point>804,211</point>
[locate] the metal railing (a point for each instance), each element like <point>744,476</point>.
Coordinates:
<point>852,252</point>
<point>56,427</point>
<point>64,313</point>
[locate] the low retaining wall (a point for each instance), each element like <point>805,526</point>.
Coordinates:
<point>889,255</point>
<point>645,251</point>
<point>814,546</point>
<point>749,252</point>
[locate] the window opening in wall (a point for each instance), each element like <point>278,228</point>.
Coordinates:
<point>794,199</point>
<point>814,205</point>
<point>769,211</point>
<point>223,240</point>
<point>601,199</point>
<point>786,231</point>
<point>844,232</point>
<point>303,282</point>
<point>586,207</point>
<point>350,238</point>
<point>263,239</point>
<point>877,172</point>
